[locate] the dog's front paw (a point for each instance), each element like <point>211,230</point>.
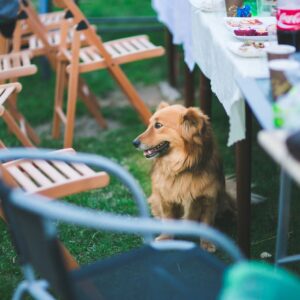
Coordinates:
<point>163,237</point>
<point>208,246</point>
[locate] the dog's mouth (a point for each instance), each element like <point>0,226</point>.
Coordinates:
<point>157,150</point>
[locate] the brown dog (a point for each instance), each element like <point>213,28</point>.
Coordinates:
<point>187,174</point>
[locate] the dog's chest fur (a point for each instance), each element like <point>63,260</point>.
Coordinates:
<point>184,186</point>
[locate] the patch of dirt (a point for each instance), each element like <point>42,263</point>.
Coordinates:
<point>152,95</point>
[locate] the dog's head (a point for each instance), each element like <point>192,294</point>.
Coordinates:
<point>173,129</point>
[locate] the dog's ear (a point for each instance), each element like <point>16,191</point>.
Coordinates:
<point>162,105</point>
<point>195,124</point>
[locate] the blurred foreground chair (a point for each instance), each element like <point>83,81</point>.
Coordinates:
<point>52,179</point>
<point>158,270</point>
<point>97,56</point>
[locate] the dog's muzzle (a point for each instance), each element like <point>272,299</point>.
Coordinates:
<point>158,150</point>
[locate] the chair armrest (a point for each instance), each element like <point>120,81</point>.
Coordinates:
<point>68,213</point>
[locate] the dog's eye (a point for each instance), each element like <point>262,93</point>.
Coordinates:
<point>157,125</point>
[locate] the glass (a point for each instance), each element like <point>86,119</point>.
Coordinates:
<point>266,7</point>
<point>294,75</point>
<point>272,34</point>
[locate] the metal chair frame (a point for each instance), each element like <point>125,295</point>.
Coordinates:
<point>49,211</point>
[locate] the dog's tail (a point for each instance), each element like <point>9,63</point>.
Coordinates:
<point>231,192</point>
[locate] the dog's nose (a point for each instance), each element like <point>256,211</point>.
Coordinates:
<point>136,143</point>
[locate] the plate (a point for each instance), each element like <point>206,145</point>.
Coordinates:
<point>251,49</point>
<point>250,23</point>
<point>253,35</point>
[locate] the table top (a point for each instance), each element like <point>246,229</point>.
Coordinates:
<point>273,142</point>
<point>211,35</point>
<point>205,39</point>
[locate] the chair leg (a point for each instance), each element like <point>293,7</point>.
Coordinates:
<point>30,132</point>
<point>71,109</point>
<point>70,261</point>
<point>2,213</point>
<point>19,117</point>
<point>131,93</point>
<point>59,97</point>
<point>24,125</point>
<point>13,126</point>
<point>91,103</point>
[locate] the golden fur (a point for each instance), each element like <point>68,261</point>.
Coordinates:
<point>187,175</point>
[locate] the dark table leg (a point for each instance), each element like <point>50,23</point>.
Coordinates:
<point>189,87</point>
<point>205,94</point>
<point>243,178</point>
<point>172,59</point>
<point>283,217</point>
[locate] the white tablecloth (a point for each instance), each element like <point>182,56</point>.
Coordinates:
<point>205,39</point>
<point>176,15</point>
<point>210,40</point>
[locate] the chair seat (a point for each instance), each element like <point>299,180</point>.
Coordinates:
<point>54,179</point>
<point>147,273</point>
<point>122,51</point>
<point>15,65</point>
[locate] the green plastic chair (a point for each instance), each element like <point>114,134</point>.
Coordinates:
<point>259,281</point>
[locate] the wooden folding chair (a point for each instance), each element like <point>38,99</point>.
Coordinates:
<point>12,66</point>
<point>96,56</point>
<point>52,179</point>
<point>48,43</point>
<point>15,121</point>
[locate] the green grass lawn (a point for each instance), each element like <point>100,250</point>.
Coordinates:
<point>36,101</point>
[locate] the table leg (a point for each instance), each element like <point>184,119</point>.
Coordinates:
<point>283,216</point>
<point>189,86</point>
<point>172,59</point>
<point>205,94</point>
<point>243,178</point>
